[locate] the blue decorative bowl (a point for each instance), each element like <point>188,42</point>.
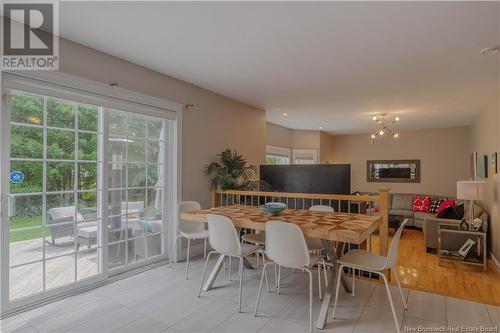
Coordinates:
<point>273,208</point>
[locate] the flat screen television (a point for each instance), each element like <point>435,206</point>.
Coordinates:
<point>394,173</point>
<point>314,178</point>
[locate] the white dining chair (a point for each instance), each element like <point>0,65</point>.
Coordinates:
<point>256,239</point>
<point>322,208</point>
<point>286,247</point>
<point>260,240</point>
<point>224,239</point>
<point>190,230</point>
<point>315,245</point>
<point>374,263</point>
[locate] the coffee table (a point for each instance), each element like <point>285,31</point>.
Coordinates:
<point>395,221</point>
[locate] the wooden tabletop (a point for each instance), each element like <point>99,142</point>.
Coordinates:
<point>343,227</point>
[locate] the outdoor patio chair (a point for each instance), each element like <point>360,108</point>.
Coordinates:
<point>60,222</point>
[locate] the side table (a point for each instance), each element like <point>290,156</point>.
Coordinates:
<point>476,255</point>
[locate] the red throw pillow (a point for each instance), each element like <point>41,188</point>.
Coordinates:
<point>421,204</point>
<point>445,204</point>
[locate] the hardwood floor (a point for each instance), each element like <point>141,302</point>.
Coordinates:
<point>420,270</point>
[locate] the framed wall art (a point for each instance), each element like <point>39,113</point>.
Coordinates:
<point>493,163</point>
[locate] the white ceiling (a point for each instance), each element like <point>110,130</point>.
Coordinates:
<point>326,64</point>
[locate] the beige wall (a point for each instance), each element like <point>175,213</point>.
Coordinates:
<point>485,139</point>
<point>443,154</point>
<point>280,136</point>
<point>215,123</point>
<point>302,139</point>
<point>326,143</point>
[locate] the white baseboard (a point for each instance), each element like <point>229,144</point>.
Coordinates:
<point>495,260</point>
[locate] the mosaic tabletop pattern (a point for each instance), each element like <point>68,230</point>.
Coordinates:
<point>344,227</point>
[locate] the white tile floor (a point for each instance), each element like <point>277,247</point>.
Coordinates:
<point>160,300</point>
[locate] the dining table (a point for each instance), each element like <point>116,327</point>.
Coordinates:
<point>333,228</point>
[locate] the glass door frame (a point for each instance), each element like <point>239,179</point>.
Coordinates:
<point>5,230</point>
<point>170,197</point>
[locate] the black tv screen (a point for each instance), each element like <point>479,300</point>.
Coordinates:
<point>394,173</point>
<point>315,178</point>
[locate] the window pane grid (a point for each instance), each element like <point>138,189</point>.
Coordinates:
<point>44,189</point>
<point>53,137</point>
<point>135,167</point>
<point>75,188</point>
<point>28,125</point>
<point>69,179</point>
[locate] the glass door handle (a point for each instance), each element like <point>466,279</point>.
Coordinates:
<point>11,205</point>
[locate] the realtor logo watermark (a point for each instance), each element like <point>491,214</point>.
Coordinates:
<point>30,35</point>
<point>450,328</point>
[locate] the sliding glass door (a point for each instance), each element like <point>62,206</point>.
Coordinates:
<point>136,182</point>
<point>85,192</point>
<point>53,193</point>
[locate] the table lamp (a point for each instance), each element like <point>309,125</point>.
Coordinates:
<point>471,190</point>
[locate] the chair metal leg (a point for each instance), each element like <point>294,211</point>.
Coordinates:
<point>260,288</point>
<point>310,300</point>
<point>353,281</point>
<point>275,275</point>
<point>241,281</point>
<point>173,251</point>
<point>390,300</point>
<point>319,282</point>
<point>279,278</point>
<point>205,250</point>
<point>229,268</point>
<point>204,272</point>
<point>400,289</point>
<point>187,258</point>
<point>339,277</point>
<point>265,273</point>
<point>326,273</point>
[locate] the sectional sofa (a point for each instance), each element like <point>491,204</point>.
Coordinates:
<point>401,204</point>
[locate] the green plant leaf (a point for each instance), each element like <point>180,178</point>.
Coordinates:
<point>232,172</point>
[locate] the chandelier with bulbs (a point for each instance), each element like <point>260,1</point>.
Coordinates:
<point>385,126</point>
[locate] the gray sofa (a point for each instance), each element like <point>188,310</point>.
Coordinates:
<point>450,243</point>
<point>401,204</point>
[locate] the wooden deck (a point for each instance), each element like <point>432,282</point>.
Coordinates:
<point>60,261</point>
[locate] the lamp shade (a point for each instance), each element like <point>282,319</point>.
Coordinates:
<point>471,190</point>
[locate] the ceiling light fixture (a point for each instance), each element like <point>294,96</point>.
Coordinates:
<point>490,50</point>
<point>285,114</point>
<point>384,126</point>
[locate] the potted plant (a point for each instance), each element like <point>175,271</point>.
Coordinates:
<point>232,172</point>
